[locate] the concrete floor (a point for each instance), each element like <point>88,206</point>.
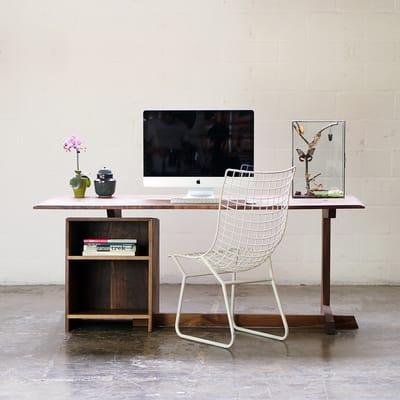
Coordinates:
<point>37,361</point>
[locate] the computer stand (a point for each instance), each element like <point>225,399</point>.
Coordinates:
<point>200,193</point>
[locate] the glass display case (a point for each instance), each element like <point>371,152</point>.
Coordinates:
<point>318,153</point>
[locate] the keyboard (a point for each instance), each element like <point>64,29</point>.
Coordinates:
<point>195,200</point>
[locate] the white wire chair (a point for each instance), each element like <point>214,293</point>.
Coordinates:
<point>251,222</point>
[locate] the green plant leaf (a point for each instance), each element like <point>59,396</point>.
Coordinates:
<point>75,182</point>
<point>87,180</point>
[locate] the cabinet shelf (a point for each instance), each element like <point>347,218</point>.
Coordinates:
<point>110,314</point>
<point>108,258</point>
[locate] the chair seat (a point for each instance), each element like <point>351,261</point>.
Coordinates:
<point>227,260</point>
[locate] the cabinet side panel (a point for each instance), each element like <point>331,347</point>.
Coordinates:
<point>66,278</point>
<point>156,265</point>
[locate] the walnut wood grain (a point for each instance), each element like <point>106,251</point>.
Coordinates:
<point>114,213</point>
<point>102,226</point>
<point>327,215</point>
<point>163,203</point>
<point>167,320</point>
<point>112,287</point>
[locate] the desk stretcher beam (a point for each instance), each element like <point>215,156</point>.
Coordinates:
<point>167,320</point>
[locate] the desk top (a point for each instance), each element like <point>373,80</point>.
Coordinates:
<point>162,202</point>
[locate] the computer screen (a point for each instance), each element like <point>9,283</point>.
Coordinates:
<point>197,143</point>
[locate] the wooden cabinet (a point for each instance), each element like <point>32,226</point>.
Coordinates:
<point>112,287</point>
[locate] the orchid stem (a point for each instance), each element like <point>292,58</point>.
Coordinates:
<point>77,160</point>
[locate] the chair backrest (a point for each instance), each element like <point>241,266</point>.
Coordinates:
<point>252,217</point>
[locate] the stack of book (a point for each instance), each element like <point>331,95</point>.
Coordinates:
<point>109,247</point>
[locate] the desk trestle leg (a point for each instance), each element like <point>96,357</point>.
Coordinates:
<point>327,215</point>
<point>111,213</point>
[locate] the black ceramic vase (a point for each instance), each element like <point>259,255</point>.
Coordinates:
<point>104,185</point>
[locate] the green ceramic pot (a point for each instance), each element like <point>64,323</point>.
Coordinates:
<point>79,183</point>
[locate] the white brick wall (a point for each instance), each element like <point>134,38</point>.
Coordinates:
<point>91,66</point>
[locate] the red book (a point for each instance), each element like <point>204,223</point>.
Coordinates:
<point>108,241</point>
<point>87,241</point>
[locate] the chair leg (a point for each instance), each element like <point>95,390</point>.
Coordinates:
<point>198,339</point>
<point>278,302</point>
<point>233,300</point>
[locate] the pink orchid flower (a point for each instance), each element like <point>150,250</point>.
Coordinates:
<point>73,143</point>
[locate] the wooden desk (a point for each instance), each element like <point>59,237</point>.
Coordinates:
<point>328,207</point>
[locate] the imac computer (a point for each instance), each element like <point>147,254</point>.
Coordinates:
<point>193,148</point>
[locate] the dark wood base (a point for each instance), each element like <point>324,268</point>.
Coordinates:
<point>329,318</point>
<point>256,321</point>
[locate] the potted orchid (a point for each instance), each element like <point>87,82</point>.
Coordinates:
<point>79,182</point>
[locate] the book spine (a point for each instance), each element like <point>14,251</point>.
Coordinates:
<point>122,240</point>
<point>109,253</point>
<point>106,241</point>
<point>110,247</point>
<point>88,241</point>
